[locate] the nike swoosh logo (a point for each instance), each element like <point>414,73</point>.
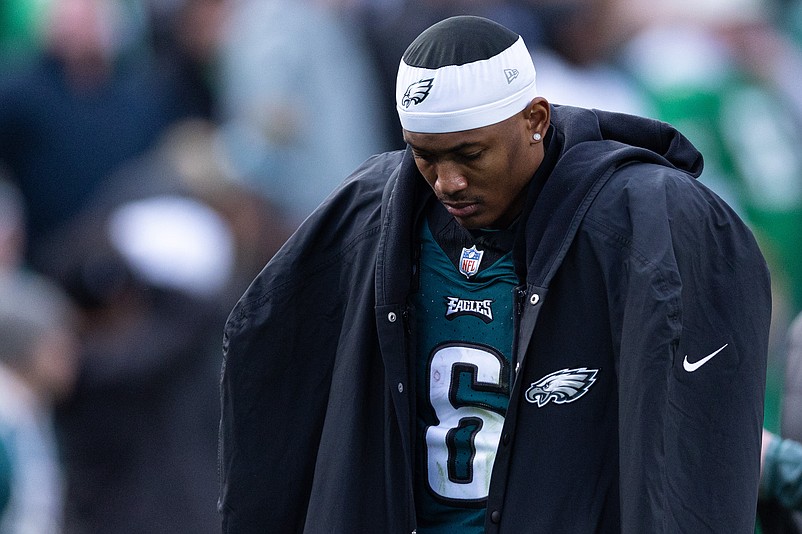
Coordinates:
<point>691,367</point>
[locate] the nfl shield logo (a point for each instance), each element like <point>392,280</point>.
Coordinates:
<point>470,260</point>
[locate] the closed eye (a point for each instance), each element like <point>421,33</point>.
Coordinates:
<point>472,155</point>
<point>423,157</point>
<point>459,157</point>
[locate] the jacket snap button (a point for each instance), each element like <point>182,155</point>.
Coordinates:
<point>391,317</point>
<point>534,299</point>
<point>400,387</point>
<point>495,517</point>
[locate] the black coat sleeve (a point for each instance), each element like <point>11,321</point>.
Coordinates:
<point>694,319</point>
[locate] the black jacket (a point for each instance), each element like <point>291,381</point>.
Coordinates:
<point>630,265</point>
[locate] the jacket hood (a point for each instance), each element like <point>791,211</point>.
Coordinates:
<point>586,148</point>
<point>628,138</point>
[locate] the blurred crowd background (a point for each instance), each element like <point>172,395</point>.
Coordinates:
<point>154,154</point>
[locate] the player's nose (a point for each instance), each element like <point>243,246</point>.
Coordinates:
<point>450,180</point>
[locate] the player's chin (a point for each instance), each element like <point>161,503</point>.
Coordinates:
<point>474,217</point>
<point>470,223</point>
<point>482,220</point>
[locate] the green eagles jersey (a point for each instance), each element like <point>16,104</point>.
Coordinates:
<point>464,318</point>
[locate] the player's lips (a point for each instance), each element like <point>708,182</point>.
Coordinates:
<point>461,209</point>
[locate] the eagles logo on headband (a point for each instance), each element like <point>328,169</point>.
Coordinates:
<point>417,92</point>
<point>463,73</point>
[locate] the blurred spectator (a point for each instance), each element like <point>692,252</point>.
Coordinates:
<point>80,109</point>
<point>190,160</point>
<point>300,101</point>
<point>768,48</point>
<point>780,505</point>
<point>184,36</point>
<point>156,264</point>
<point>37,367</point>
<point>576,60</point>
<point>780,484</point>
<point>138,433</point>
<point>193,154</point>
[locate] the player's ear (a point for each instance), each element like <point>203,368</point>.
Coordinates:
<point>538,115</point>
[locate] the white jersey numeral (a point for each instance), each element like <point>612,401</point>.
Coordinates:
<point>469,395</point>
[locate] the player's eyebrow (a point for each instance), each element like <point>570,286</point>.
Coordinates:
<point>456,148</point>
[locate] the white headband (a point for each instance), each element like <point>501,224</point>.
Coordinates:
<point>455,98</point>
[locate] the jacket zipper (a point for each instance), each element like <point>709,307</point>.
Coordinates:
<point>519,298</point>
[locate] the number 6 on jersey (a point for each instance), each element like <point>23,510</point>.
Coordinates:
<point>469,391</point>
